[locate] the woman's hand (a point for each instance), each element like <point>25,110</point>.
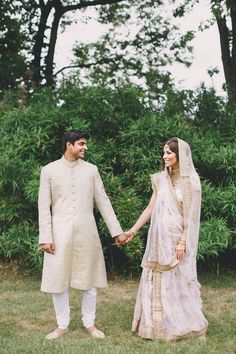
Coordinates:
<point>180,250</point>
<point>130,235</point>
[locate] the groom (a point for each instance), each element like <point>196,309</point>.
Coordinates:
<point>68,233</point>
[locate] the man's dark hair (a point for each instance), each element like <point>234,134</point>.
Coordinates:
<point>72,136</point>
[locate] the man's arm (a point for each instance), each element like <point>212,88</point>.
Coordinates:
<point>104,205</point>
<point>45,217</point>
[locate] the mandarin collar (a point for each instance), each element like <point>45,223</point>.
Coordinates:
<point>70,164</point>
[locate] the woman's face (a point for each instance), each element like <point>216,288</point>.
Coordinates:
<point>170,158</point>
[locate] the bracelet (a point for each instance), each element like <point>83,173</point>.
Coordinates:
<point>133,232</point>
<point>183,242</point>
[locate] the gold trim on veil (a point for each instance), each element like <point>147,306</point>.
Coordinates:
<point>186,169</point>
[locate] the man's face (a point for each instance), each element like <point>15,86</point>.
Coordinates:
<point>78,150</point>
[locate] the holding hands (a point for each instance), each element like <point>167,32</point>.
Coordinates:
<point>125,238</point>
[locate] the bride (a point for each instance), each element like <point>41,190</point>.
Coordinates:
<point>168,304</point>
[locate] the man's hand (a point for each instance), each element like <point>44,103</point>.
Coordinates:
<point>48,247</point>
<point>121,240</point>
<point>125,238</point>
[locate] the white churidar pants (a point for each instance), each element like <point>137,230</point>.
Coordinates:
<point>62,308</point>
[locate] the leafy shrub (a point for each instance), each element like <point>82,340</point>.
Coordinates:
<point>214,238</point>
<point>127,206</point>
<point>128,133</point>
<point>21,242</point>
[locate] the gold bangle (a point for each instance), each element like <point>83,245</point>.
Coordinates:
<point>182,241</point>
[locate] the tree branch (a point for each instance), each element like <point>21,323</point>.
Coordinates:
<point>51,46</point>
<point>89,3</point>
<point>89,65</point>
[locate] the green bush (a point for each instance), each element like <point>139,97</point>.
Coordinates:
<point>127,205</point>
<point>128,130</point>
<point>214,238</point>
<point>21,242</point>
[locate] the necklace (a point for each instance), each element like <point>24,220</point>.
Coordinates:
<point>175,177</point>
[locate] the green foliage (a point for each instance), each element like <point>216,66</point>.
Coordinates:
<point>223,161</point>
<point>12,41</point>
<point>219,201</point>
<point>30,139</point>
<point>107,111</point>
<point>127,205</point>
<point>128,130</point>
<point>122,53</point>
<point>139,38</point>
<point>214,238</point>
<point>21,242</point>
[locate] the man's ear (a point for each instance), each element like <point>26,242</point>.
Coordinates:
<point>68,145</point>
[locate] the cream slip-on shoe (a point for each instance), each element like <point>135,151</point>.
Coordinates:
<point>55,334</point>
<point>97,334</point>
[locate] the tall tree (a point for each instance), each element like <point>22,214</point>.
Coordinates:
<point>141,41</point>
<point>54,11</point>
<point>224,14</point>
<point>12,41</point>
<point>145,50</point>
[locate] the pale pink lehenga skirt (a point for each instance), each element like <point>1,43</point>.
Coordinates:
<point>168,306</point>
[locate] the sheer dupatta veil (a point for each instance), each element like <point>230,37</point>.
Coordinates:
<point>191,198</point>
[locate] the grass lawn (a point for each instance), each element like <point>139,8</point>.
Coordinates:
<point>26,316</point>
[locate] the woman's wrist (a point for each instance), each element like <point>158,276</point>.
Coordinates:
<point>182,242</point>
<point>134,232</point>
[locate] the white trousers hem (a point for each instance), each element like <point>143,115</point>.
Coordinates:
<point>62,308</point>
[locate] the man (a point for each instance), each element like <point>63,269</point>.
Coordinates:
<point>68,233</point>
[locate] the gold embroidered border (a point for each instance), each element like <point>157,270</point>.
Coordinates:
<point>157,310</point>
<point>157,267</point>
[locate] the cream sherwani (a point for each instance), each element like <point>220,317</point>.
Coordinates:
<point>66,199</point>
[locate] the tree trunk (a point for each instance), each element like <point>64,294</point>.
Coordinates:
<point>60,9</point>
<point>51,48</point>
<point>39,44</point>
<point>233,21</point>
<point>228,51</point>
<point>225,48</point>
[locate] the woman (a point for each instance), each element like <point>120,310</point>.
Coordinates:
<point>168,304</point>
